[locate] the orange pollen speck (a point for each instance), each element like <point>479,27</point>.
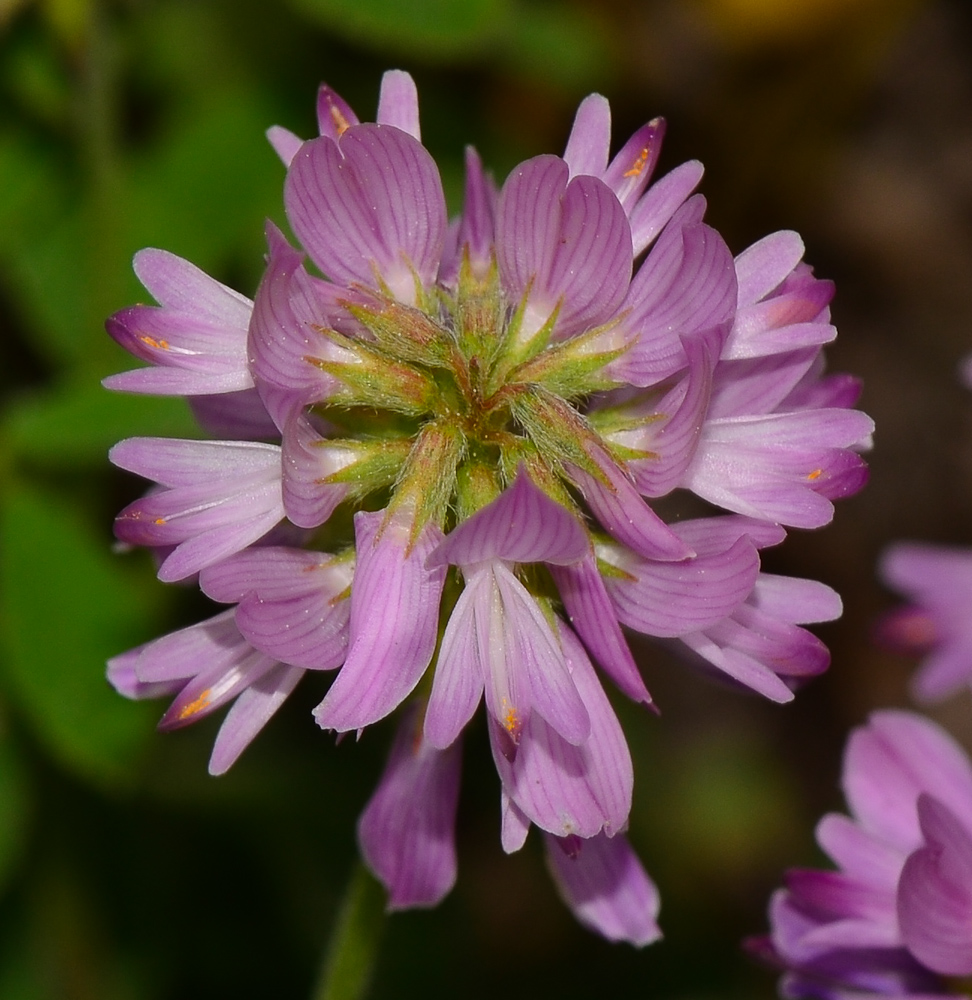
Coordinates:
<point>512,721</point>
<point>340,122</point>
<point>196,706</point>
<point>162,345</point>
<point>159,520</point>
<point>816,474</point>
<point>639,164</point>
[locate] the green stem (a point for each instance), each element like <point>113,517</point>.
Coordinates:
<point>353,949</point>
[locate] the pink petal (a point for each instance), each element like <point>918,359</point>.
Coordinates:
<point>394,621</point>
<point>251,711</point>
<point>398,103</point>
<point>521,525</point>
<point>604,884</point>
<point>407,830</point>
<point>371,202</point>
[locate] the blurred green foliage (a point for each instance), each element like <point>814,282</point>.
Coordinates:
<point>125,871</point>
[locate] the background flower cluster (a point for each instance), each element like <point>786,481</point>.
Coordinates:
<point>128,872</point>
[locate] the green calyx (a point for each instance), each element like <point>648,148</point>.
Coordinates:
<point>443,402</point>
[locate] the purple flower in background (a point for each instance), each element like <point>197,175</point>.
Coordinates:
<point>937,624</point>
<point>897,914</point>
<point>489,406</point>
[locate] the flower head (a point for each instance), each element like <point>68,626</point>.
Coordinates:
<point>492,405</point>
<point>897,914</point>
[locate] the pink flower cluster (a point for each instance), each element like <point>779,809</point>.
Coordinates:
<point>437,446</point>
<point>896,917</point>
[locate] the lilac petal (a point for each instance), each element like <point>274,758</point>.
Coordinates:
<point>758,385</point>
<point>622,511</point>
<point>604,884</point>
<point>169,336</point>
<point>796,601</point>
<point>741,667</point>
<point>284,332</point>
<point>589,141</point>
<point>944,672</point>
<point>285,143</point>
<point>632,169</point>
<point>173,382</point>
<point>524,655</point>
<point>761,268</point>
<point>514,824</point>
<point>233,416</point>
<point>589,609</point>
<point>177,462</point>
<point>709,536</point>
<point>686,285</point>
<point>122,677</point>
<point>890,762</point>
<point>662,200</point>
<point>478,222</point>
<point>843,896</point>
<point>306,463</point>
<point>309,631</point>
<point>562,244</point>
<point>785,467</point>
<point>857,852</point>
<point>457,686</point>
<point>521,525</point>
<point>275,573</point>
<point>250,712</point>
<point>934,894</point>
<point>182,287</point>
<point>407,830</point>
<point>669,599</point>
<point>394,620</point>
<point>334,114</point>
<point>791,651</point>
<point>372,203</point>
<point>183,654</point>
<point>201,352</point>
<point>213,687</point>
<point>673,438</point>
<point>567,789</point>
<point>398,103</point>
<point>203,524</point>
<point>929,574</point>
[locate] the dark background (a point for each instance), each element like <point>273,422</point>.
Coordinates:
<point>125,871</point>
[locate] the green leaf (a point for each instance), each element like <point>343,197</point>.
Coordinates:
<point>443,29</point>
<point>68,607</point>
<point>77,424</point>
<point>561,45</point>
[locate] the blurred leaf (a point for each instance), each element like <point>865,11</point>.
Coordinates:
<point>432,28</point>
<point>206,189</point>
<point>13,809</point>
<point>68,607</point>
<point>68,19</point>
<point>560,45</point>
<point>78,423</point>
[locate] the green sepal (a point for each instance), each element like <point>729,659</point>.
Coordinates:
<point>479,311</point>
<point>379,465</point>
<point>517,452</point>
<point>570,369</point>
<point>428,480</point>
<point>375,380</point>
<point>406,333</point>
<point>476,487</point>
<point>559,432</point>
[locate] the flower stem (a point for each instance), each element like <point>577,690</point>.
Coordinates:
<point>353,949</point>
